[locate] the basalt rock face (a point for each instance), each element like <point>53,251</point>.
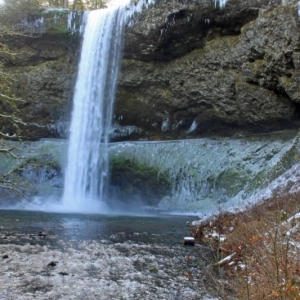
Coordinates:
<point>193,69</point>
<point>38,62</point>
<point>47,86</point>
<point>190,69</point>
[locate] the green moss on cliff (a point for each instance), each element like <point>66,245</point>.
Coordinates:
<point>137,180</point>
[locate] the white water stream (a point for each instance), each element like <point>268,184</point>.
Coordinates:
<point>87,167</point>
<point>93,104</point>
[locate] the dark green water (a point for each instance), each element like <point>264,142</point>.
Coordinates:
<point>41,227</point>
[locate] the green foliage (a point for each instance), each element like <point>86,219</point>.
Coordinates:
<point>22,5</point>
<point>15,10</point>
<point>154,270</point>
<point>28,6</point>
<point>79,5</point>
<point>31,5</point>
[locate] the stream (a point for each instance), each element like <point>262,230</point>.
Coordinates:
<point>86,256</point>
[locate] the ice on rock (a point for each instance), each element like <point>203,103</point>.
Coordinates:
<point>210,174</point>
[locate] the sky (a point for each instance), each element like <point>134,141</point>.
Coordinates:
<point>115,2</point>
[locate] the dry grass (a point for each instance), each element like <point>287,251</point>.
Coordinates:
<point>257,251</point>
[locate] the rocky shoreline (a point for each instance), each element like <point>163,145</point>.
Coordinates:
<point>41,265</point>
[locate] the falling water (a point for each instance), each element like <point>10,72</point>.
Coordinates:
<point>87,167</point>
<point>93,104</point>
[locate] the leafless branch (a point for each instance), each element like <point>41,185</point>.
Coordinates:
<point>11,153</point>
<point>13,119</point>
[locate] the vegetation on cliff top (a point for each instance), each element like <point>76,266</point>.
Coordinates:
<point>26,6</point>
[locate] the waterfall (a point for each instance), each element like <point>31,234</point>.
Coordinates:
<point>87,166</point>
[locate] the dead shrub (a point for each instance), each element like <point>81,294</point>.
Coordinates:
<point>259,256</point>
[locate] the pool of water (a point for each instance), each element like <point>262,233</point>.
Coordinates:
<point>25,225</point>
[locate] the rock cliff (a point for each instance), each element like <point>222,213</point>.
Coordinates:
<point>193,69</point>
<point>190,69</point>
<point>38,62</point>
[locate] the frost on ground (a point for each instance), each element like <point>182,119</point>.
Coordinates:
<point>101,270</point>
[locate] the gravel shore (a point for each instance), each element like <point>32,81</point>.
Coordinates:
<point>39,266</point>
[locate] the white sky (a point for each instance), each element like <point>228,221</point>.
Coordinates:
<point>115,2</point>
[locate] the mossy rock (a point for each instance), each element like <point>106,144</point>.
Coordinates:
<point>135,181</point>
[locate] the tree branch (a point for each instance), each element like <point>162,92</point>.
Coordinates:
<point>13,119</point>
<point>15,187</point>
<point>10,152</point>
